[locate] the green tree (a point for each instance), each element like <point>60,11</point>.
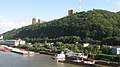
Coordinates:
<point>106,49</point>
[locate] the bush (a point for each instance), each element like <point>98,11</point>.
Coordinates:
<point>105,57</point>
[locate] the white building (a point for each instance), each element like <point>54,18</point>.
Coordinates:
<point>116,50</point>
<point>12,42</point>
<point>85,44</point>
<point>1,37</point>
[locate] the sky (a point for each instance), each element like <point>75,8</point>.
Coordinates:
<point>19,13</point>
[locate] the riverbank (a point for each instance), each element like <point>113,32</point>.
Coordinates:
<point>68,59</point>
<point>101,62</point>
<point>17,50</point>
<point>97,62</point>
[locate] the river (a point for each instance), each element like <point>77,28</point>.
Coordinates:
<point>9,59</point>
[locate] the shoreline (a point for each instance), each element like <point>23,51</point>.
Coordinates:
<point>100,62</point>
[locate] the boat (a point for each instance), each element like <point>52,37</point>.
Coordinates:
<point>84,61</point>
<point>79,61</point>
<point>79,58</point>
<point>60,57</point>
<point>72,54</point>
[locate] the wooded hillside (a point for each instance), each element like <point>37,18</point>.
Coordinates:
<point>100,25</point>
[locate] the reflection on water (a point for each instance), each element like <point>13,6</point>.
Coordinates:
<point>60,64</point>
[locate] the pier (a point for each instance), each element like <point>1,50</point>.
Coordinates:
<point>16,50</point>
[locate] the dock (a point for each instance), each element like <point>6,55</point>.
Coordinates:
<point>16,50</point>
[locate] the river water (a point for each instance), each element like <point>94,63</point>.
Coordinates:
<point>9,59</point>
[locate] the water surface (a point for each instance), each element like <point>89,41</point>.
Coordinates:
<point>9,59</point>
<point>16,60</point>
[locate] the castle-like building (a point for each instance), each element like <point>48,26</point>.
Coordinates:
<point>34,21</point>
<point>70,12</point>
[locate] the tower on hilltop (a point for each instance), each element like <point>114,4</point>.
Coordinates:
<point>34,21</point>
<point>38,20</point>
<point>70,12</point>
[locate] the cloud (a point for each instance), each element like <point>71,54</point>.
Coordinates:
<point>6,24</point>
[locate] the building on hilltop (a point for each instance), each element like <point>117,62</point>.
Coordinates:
<point>38,20</point>
<point>34,21</point>
<point>70,12</point>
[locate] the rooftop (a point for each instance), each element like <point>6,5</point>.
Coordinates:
<point>115,46</point>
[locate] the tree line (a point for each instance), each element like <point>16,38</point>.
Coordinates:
<point>93,25</point>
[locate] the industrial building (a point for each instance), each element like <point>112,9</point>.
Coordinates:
<point>116,50</point>
<point>12,42</point>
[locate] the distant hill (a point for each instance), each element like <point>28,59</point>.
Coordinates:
<point>94,24</point>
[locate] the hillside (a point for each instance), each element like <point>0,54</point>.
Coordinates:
<point>100,25</point>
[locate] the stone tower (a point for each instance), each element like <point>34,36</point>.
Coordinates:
<point>70,12</point>
<point>38,20</point>
<point>34,21</point>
